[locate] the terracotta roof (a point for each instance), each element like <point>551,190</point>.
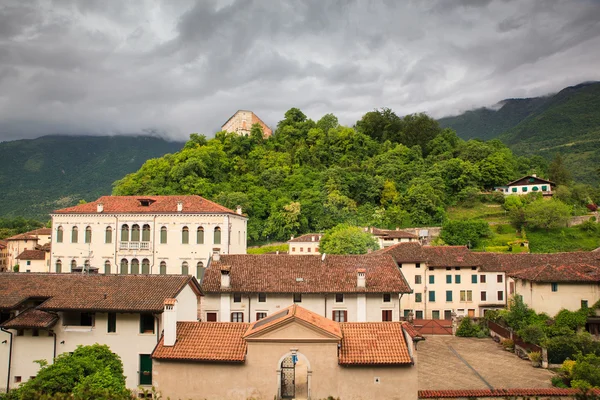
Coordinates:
<point>393,234</point>
<point>295,312</point>
<point>412,331</point>
<point>405,252</point>
<point>307,238</point>
<point>94,292</point>
<point>373,343</point>
<point>31,235</point>
<point>31,319</point>
<point>284,273</point>
<point>516,262</point>
<point>206,341</point>
<point>449,256</point>
<point>508,393</point>
<point>32,255</point>
<point>157,204</point>
<point>2,244</point>
<point>564,273</point>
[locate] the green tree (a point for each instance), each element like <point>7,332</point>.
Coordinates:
<point>587,369</point>
<point>347,239</point>
<point>546,214</point>
<point>558,171</point>
<point>468,232</point>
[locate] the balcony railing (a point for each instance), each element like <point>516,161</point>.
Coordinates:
<point>134,246</point>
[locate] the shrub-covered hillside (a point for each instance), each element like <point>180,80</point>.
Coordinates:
<point>311,175</point>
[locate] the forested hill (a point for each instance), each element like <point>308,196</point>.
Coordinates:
<point>312,175</point>
<point>567,123</point>
<point>40,175</point>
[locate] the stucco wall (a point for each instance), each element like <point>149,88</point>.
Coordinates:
<point>4,350</point>
<point>303,248</point>
<point>34,266</point>
<point>541,298</point>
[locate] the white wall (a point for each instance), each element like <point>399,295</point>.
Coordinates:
<point>34,265</point>
<point>529,189</point>
<point>305,248</point>
<point>541,298</point>
<point>4,350</point>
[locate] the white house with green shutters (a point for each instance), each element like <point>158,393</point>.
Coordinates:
<point>528,184</point>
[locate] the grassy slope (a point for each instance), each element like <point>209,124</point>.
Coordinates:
<point>39,175</point>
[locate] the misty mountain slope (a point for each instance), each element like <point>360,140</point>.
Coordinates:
<point>40,175</point>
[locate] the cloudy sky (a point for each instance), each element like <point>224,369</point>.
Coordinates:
<point>175,67</point>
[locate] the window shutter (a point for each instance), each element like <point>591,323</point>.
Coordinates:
<point>345,316</point>
<point>333,315</point>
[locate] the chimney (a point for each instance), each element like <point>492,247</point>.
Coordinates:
<point>361,281</point>
<point>100,207</point>
<point>534,175</point>
<point>216,256</point>
<point>225,277</point>
<point>238,210</point>
<point>312,238</point>
<point>180,206</point>
<point>397,228</point>
<point>292,238</point>
<point>170,322</point>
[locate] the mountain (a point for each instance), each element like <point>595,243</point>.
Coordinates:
<point>40,175</point>
<point>567,122</point>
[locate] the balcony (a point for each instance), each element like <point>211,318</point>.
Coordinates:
<point>134,246</point>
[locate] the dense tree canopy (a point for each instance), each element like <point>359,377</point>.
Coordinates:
<point>346,239</point>
<point>310,176</point>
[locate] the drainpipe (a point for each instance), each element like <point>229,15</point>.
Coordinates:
<point>249,307</point>
<point>399,307</point>
<point>54,350</point>
<point>325,305</point>
<point>9,357</point>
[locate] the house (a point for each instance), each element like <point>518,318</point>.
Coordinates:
<point>528,184</point>
<point>3,255</point>
<point>387,237</point>
<point>145,234</point>
<point>44,315</point>
<point>292,353</point>
<point>15,245</point>
<point>446,280</point>
<point>241,123</point>
<point>37,260</point>
<point>348,288</point>
<point>305,244</point>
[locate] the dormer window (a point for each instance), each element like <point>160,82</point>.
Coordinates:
<point>145,202</point>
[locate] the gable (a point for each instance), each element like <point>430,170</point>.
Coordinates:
<point>530,180</point>
<point>293,330</point>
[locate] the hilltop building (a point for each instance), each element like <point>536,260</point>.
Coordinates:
<point>241,123</point>
<point>388,237</point>
<point>305,244</point>
<point>44,315</point>
<point>15,245</point>
<point>292,353</point>
<point>528,184</point>
<point>145,235</point>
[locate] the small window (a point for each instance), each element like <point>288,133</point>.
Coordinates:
<point>135,266</point>
<point>500,295</point>
<point>431,279</point>
<point>448,278</point>
<point>340,315</point>
<point>146,323</point>
<point>185,235</point>
<point>386,315</point>
<point>74,235</point>
<point>262,297</point>
<point>163,268</point>
<point>584,304</point>
<point>417,279</point>
<point>135,233</point>
<point>418,265</point>
<point>88,234</point>
<point>435,314</point>
<point>431,268</point>
<point>535,189</point>
<point>124,233</point>
<point>456,278</point>
<point>448,295</point>
<point>78,319</point>
<point>457,268</point>
<point>473,268</point>
<point>297,297</point>
<point>387,297</point>
<point>301,249</point>
<point>483,296</point>
<point>73,265</point>
<point>261,315</point>
<point>514,190</point>
<point>145,266</point>
<point>58,266</point>
<point>163,235</point>
<point>185,270</point>
<point>17,379</point>
<point>544,188</point>
<point>419,314</point>
<point>28,262</point>
<point>146,233</point>
<point>473,278</point>
<point>112,323</point>
<point>554,287</point>
<point>108,235</point>
<point>499,279</point>
<point>447,314</point>
<point>237,317</point>
<point>293,249</point>
<point>199,270</point>
<point>237,298</point>
<point>524,188</point>
<point>481,278</point>
<point>432,295</point>
<point>35,332</point>
<point>200,235</point>
<point>339,298</point>
<point>211,317</point>
<point>217,236</point>
<point>59,234</point>
<point>308,249</point>
<point>448,268</point>
<point>418,297</point>
<point>20,332</point>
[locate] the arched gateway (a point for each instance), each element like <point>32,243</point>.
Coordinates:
<point>294,376</point>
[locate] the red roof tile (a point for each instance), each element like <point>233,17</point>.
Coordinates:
<point>94,292</point>
<point>157,204</point>
<point>449,256</point>
<point>32,319</point>
<point>405,252</point>
<point>32,235</point>
<point>393,234</point>
<point>307,238</point>
<point>295,312</point>
<point>286,273</point>
<point>206,341</point>
<point>563,273</point>
<point>411,330</point>
<point>373,343</point>
<point>32,255</point>
<point>507,393</point>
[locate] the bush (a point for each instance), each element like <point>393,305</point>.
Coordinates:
<point>469,232</point>
<point>561,348</point>
<point>535,356</point>
<point>571,319</point>
<point>559,382</point>
<point>507,343</point>
<point>589,226</point>
<point>468,328</point>
<point>533,334</point>
<point>586,369</point>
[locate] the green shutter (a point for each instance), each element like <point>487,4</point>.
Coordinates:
<point>145,369</point>
<point>524,188</point>
<point>535,189</point>
<point>448,295</point>
<point>418,297</point>
<point>431,279</point>
<point>544,188</point>
<point>432,295</point>
<point>448,278</point>
<point>456,278</point>
<point>514,190</point>
<point>473,278</point>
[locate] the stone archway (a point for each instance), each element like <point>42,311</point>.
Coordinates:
<point>293,376</point>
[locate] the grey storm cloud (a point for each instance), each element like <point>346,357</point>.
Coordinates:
<point>176,67</point>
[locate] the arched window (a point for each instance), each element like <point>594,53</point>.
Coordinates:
<point>135,233</point>
<point>88,234</point>
<point>107,267</point>
<point>59,235</point>
<point>199,270</point>
<point>185,235</point>
<point>74,235</point>
<point>185,270</point>
<point>145,266</point>
<point>163,268</point>
<point>124,233</point>
<point>73,265</point>
<point>217,237</point>
<point>58,266</point>
<point>163,235</point>
<point>135,266</point>
<point>124,266</point>
<point>146,233</point>
<point>200,235</point>
<point>108,235</point>
<point>87,265</point>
